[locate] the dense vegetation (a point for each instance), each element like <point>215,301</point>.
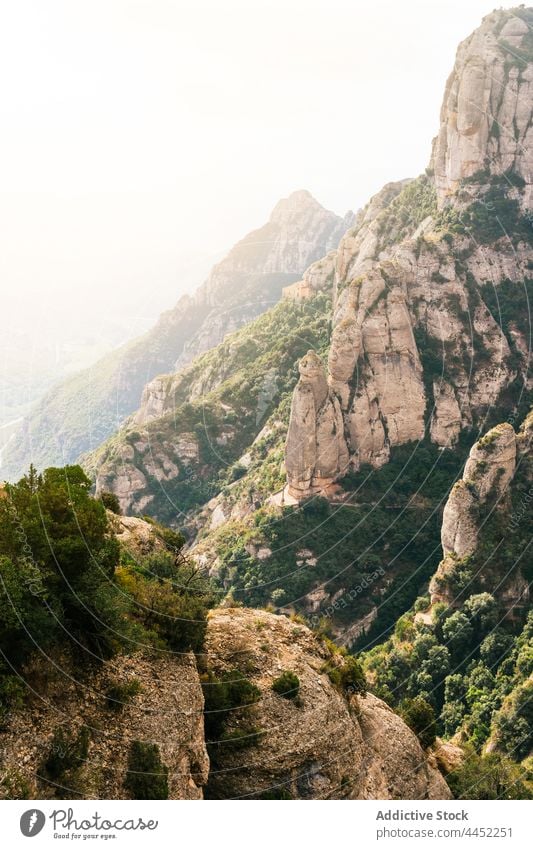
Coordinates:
<point>390,521</point>
<point>65,584</point>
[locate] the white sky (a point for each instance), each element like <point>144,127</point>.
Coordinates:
<point>141,138</point>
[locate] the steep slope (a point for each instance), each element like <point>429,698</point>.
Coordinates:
<point>70,707</point>
<point>327,743</point>
<point>496,480</point>
<point>466,648</point>
<point>431,330</point>
<point>208,415</point>
<point>429,345</point>
<point>78,414</point>
<point>250,373</point>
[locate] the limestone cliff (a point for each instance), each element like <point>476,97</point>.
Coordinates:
<point>429,331</point>
<point>496,472</point>
<point>316,448</point>
<point>325,745</point>
<point>415,348</point>
<point>486,112</point>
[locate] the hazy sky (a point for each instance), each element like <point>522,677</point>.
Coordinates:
<point>142,138</point>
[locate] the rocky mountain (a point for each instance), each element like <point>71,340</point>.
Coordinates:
<point>491,495</point>
<point>419,340</point>
<point>423,338</point>
<point>244,379</point>
<point>353,747</point>
<point>430,330</point>
<point>351,468</point>
<point>79,413</point>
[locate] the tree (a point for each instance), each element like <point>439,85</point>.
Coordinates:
<point>482,610</point>
<point>169,599</point>
<point>52,522</point>
<point>490,777</point>
<point>457,633</point>
<point>495,647</point>
<point>110,502</point>
<point>420,717</point>
<point>514,723</point>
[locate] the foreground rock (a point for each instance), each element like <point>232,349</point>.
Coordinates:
<point>323,747</point>
<point>167,711</point>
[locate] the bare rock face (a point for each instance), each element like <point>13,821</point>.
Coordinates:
<point>315,451</point>
<point>167,711</point>
<point>486,114</point>
<point>459,529</point>
<point>446,420</point>
<point>154,401</point>
<point>326,746</point>
<point>360,246</point>
<point>319,277</point>
<point>487,474</point>
<point>407,296</point>
<point>491,462</point>
<point>136,536</point>
<point>128,483</point>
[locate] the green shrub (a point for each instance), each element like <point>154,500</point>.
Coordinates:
<point>492,776</point>
<point>170,600</point>
<point>348,677</point>
<point>110,502</point>
<point>287,685</point>
<point>419,715</point>
<point>118,695</point>
<point>65,753</point>
<point>54,542</point>
<point>147,776</point>
<point>239,738</point>
<point>223,696</point>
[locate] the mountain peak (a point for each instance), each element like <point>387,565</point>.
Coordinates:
<point>297,202</point>
<point>486,116</point>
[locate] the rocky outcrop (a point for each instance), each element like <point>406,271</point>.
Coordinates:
<point>316,452</point>
<point>325,745</point>
<point>414,348</point>
<point>446,420</point>
<point>319,277</point>
<point>486,113</point>
<point>167,711</point>
<point>420,342</point>
<point>487,475</point>
<point>136,536</point>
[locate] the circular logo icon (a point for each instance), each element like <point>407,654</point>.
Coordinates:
<point>32,822</point>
